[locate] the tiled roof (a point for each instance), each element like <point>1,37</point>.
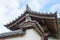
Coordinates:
<point>13,33</point>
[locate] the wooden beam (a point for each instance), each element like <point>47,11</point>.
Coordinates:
<point>16,22</point>
<point>43,17</point>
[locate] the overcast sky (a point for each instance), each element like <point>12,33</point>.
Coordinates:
<point>11,9</point>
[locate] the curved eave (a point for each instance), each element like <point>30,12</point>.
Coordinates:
<point>32,14</point>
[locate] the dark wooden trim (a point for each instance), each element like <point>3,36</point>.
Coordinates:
<point>43,17</point>
<point>57,25</point>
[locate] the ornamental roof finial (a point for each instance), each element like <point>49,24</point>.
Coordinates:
<point>27,8</point>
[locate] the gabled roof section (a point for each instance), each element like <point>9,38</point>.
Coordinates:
<point>45,19</point>
<point>32,13</point>
<point>50,20</point>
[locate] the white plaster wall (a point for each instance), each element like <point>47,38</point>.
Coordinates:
<point>31,34</point>
<point>50,38</point>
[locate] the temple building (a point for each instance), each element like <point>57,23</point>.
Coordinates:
<point>32,25</point>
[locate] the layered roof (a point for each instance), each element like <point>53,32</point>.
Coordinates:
<point>24,26</point>
<point>48,21</point>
